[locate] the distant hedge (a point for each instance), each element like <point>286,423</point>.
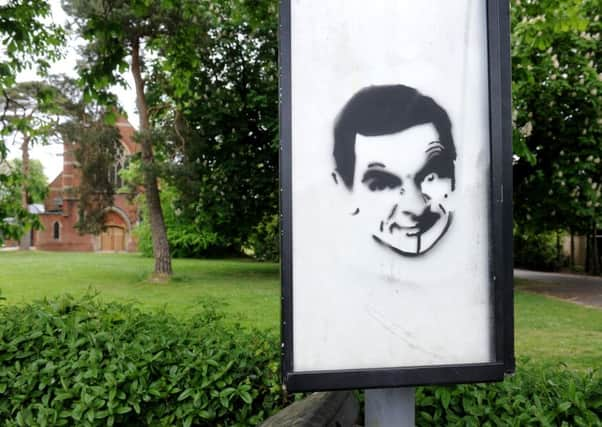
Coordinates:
<point>80,362</point>
<point>84,363</point>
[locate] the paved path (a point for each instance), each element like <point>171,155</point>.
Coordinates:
<point>577,288</point>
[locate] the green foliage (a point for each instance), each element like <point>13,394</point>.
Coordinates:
<point>265,239</point>
<point>535,396</point>
<point>32,110</point>
<point>80,362</point>
<point>224,150</point>
<point>29,115</point>
<point>14,219</point>
<point>11,211</point>
<point>158,37</point>
<point>557,96</point>
<point>536,251</point>
<point>36,183</point>
<point>112,28</point>
<point>28,37</point>
<point>210,85</point>
<point>96,147</point>
<point>188,238</point>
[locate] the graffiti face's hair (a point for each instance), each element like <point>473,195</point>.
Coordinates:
<point>384,110</point>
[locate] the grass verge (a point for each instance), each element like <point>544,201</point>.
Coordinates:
<point>246,291</point>
<point>547,330</point>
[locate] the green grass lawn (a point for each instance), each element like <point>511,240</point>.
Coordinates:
<point>554,331</point>
<point>547,330</point>
<point>247,291</point>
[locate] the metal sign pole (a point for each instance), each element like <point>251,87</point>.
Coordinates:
<point>390,407</point>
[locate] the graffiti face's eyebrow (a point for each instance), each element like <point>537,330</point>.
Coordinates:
<point>434,148</point>
<point>376,165</point>
<point>434,145</point>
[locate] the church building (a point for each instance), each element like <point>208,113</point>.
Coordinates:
<point>61,207</point>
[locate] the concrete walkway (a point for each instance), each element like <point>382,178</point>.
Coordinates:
<point>581,289</point>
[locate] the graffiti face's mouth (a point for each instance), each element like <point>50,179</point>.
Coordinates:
<point>420,223</point>
<point>417,236</point>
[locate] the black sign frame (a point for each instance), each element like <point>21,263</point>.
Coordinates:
<point>500,127</point>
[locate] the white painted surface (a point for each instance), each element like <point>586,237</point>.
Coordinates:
<point>358,304</point>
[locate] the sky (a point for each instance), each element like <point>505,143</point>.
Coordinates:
<point>51,155</point>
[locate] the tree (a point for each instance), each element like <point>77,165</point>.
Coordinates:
<point>97,144</point>
<point>31,115</point>
<point>117,29</point>
<point>87,127</point>
<point>557,89</point>
<point>29,39</point>
<point>14,220</point>
<point>223,152</point>
<point>36,183</point>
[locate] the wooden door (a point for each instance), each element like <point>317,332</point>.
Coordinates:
<point>113,239</point>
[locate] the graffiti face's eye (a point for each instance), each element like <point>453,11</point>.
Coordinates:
<point>379,180</point>
<point>431,177</point>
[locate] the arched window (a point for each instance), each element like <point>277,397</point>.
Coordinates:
<point>56,230</point>
<point>121,162</point>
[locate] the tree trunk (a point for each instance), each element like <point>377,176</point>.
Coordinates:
<point>572,261</point>
<point>153,201</point>
<point>588,253</point>
<point>25,242</point>
<point>558,252</point>
<point>595,255</point>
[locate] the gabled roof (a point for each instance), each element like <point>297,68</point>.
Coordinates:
<point>57,182</point>
<point>126,131</point>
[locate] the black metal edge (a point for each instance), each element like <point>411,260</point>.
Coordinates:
<point>501,216</point>
<point>500,116</point>
<point>507,215</point>
<point>496,249</point>
<point>394,377</point>
<point>286,190</point>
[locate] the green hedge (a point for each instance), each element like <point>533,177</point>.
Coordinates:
<point>537,251</point>
<point>536,396</point>
<point>84,363</point>
<point>265,239</point>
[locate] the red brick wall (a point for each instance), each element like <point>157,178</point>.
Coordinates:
<point>69,239</point>
<point>55,191</point>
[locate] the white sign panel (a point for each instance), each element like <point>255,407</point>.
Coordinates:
<point>390,184</point>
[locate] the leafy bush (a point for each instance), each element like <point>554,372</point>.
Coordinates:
<point>265,239</point>
<point>536,251</point>
<point>142,232</point>
<point>84,363</point>
<point>188,238</point>
<point>535,396</point>
<point>81,362</point>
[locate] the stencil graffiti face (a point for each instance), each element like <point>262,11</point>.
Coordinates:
<point>394,151</point>
<point>402,185</point>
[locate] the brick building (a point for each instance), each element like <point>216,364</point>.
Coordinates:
<point>61,207</point>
